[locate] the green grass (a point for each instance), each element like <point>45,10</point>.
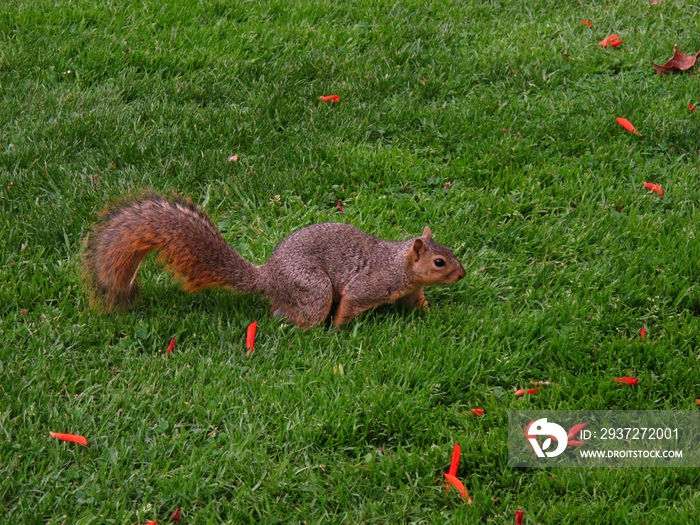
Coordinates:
<point>567,255</point>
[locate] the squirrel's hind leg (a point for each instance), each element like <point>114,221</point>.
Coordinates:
<point>302,303</point>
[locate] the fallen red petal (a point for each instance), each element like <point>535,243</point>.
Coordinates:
<point>519,393</point>
<point>527,428</point>
<point>627,125</point>
<point>154,522</point>
<point>586,23</point>
<point>177,516</point>
<point>478,411</point>
<point>171,346</point>
<point>678,63</point>
<point>233,158</point>
<point>457,484</point>
<point>573,431</point>
<point>330,98</point>
<point>532,391</point>
<point>629,380</point>
<point>575,443</point>
<point>653,187</point>
<point>250,336</point>
<point>691,107</point>
<point>339,206</point>
<point>518,517</point>
<point>454,464</point>
<point>72,438</point>
<point>643,333</point>
<point>699,402</point>
<point>612,40</point>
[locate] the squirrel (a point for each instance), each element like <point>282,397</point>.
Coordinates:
<point>309,271</point>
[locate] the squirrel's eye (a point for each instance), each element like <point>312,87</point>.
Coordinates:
<point>439,263</point>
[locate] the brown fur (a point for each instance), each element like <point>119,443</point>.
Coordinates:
<point>310,270</point>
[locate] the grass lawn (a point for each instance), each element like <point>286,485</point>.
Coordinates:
<point>491,122</point>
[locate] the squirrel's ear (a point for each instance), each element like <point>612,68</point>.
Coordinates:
<point>427,234</point>
<point>417,251</point>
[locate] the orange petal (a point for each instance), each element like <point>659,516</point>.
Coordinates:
<point>478,411</point>
<point>612,40</point>
<point>250,336</point>
<point>571,434</point>
<point>527,428</point>
<point>458,485</point>
<point>72,438</point>
<point>627,125</point>
<point>519,393</point>
<point>233,158</point>
<point>454,465</point>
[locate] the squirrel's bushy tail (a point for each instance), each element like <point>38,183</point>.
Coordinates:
<point>185,237</point>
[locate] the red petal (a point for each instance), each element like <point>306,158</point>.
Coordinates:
<point>586,23</point>
<point>154,522</point>
<point>339,206</point>
<point>171,346</point>
<point>627,125</point>
<point>691,107</point>
<point>654,187</point>
<point>643,333</point>
<point>699,402</point>
<point>330,98</point>
<point>454,465</point>
<point>177,516</point>
<point>519,393</point>
<point>518,517</point>
<point>458,485</point>
<point>72,438</point>
<point>629,380</point>
<point>532,391</point>
<point>571,434</point>
<point>612,40</point>
<point>575,443</point>
<point>250,336</point>
<point>233,158</point>
<point>478,411</point>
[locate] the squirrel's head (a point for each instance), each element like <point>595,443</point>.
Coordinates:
<point>433,263</point>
